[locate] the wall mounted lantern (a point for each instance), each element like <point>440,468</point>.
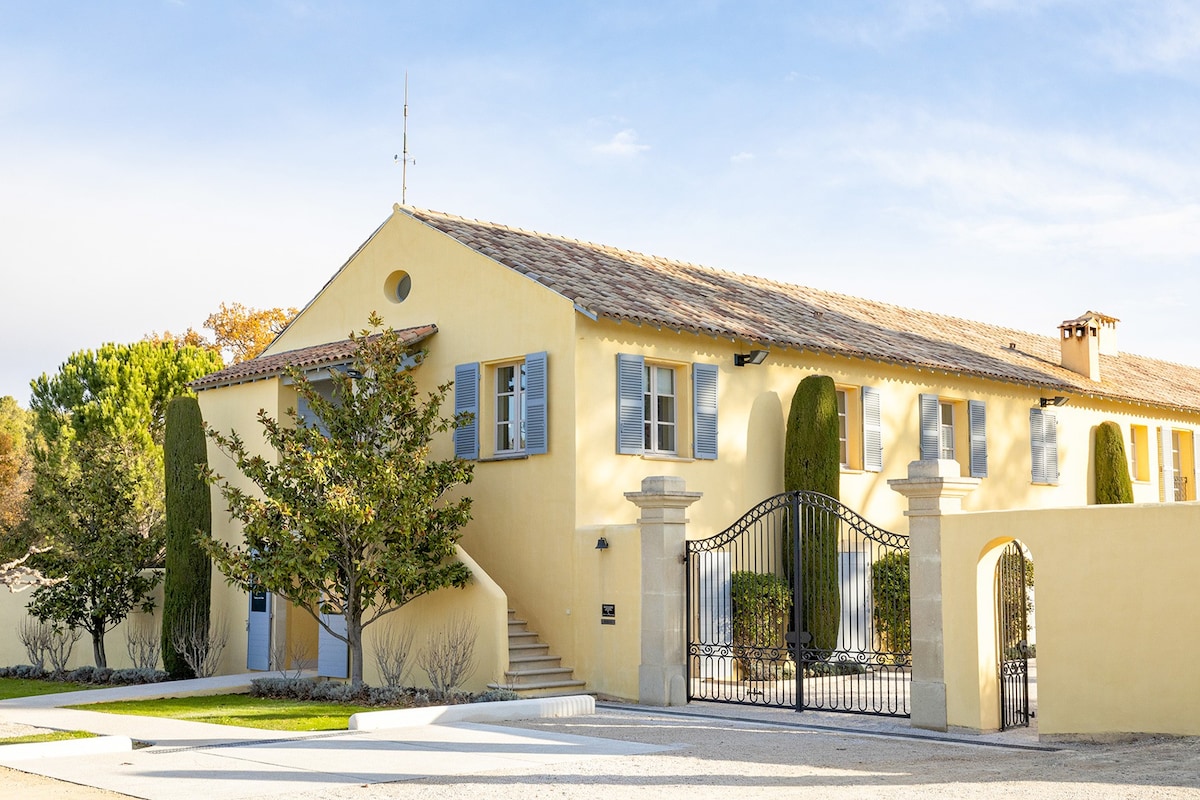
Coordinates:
<point>1052,401</point>
<point>753,357</point>
<point>602,543</point>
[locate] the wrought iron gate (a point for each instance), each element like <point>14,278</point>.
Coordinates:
<point>801,603</point>
<point>1012,631</point>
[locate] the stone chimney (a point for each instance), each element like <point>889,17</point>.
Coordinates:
<point>1085,339</point>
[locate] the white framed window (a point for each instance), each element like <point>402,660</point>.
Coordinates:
<point>507,397</point>
<point>1139,453</point>
<point>511,408</point>
<point>946,430</point>
<point>954,430</point>
<point>659,410</point>
<point>843,428</point>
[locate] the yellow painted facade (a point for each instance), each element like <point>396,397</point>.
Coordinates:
<point>1115,586</point>
<point>537,518</point>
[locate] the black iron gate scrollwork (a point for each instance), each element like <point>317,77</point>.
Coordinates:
<point>1012,636</point>
<point>803,604</point>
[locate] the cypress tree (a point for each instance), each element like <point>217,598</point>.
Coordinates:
<point>187,587</point>
<point>812,463</point>
<point>1111,467</point>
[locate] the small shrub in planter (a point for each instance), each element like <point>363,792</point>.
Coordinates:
<point>762,605</point>
<point>892,603</point>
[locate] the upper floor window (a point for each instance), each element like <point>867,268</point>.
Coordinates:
<point>946,430</point>
<point>1139,452</point>
<point>511,408</point>
<point>515,409</point>
<point>652,403</point>
<point>860,434</point>
<point>659,412</point>
<point>943,436</point>
<point>843,428</point>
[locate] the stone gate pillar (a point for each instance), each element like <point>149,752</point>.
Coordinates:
<point>933,488</point>
<point>662,671</point>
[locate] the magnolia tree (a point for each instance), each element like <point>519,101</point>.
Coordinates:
<point>352,517</point>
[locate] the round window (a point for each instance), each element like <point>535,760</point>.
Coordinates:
<point>397,286</point>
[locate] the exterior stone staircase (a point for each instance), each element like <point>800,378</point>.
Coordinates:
<point>532,670</point>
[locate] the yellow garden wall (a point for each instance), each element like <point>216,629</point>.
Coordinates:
<point>1116,588</point>
<point>12,612</point>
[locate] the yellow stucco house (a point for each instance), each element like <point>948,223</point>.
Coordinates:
<point>590,368</point>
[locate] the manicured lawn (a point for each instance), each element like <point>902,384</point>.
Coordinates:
<point>241,710</point>
<point>54,736</point>
<point>24,687</point>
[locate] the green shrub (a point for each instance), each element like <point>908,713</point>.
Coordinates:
<point>812,462</point>
<point>187,584</point>
<point>762,607</point>
<point>1111,466</point>
<point>892,600</point>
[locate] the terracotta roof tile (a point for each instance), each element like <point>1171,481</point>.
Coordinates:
<point>315,357</point>
<point>627,286</point>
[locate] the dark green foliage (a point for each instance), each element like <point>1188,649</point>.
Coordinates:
<point>358,521</point>
<point>1112,469</point>
<point>812,463</point>
<point>187,586</point>
<point>762,607</point>
<point>100,535</point>
<point>812,454</point>
<point>892,599</point>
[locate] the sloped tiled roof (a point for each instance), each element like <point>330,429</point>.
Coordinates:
<point>626,286</point>
<point>306,358</point>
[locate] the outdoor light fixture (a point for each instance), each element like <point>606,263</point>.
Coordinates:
<point>1052,401</point>
<point>753,357</point>
<point>602,543</point>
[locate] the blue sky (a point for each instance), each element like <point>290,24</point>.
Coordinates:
<point>1012,162</point>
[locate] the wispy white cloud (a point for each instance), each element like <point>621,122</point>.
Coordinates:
<point>741,158</point>
<point>623,144</point>
<point>1162,35</point>
<point>1026,190</point>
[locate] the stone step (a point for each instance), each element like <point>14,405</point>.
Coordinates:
<point>544,689</point>
<point>532,670</point>
<point>530,677</point>
<point>536,661</point>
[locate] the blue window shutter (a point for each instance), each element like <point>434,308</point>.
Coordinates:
<point>466,399</point>
<point>1166,457</point>
<point>1050,437</point>
<point>931,439</point>
<point>872,430</point>
<point>977,419</point>
<point>1037,445</point>
<point>704,410</point>
<point>536,435</point>
<point>631,418</point>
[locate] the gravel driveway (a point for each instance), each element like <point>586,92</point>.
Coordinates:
<point>753,754</point>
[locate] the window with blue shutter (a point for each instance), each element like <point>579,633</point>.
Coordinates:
<point>872,430</point>
<point>704,410</point>
<point>977,420</point>
<point>630,397</point>
<point>466,399</point>
<point>931,438</point>
<point>1043,446</point>
<point>536,431</point>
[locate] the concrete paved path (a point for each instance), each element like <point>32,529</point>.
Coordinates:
<point>186,760</point>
